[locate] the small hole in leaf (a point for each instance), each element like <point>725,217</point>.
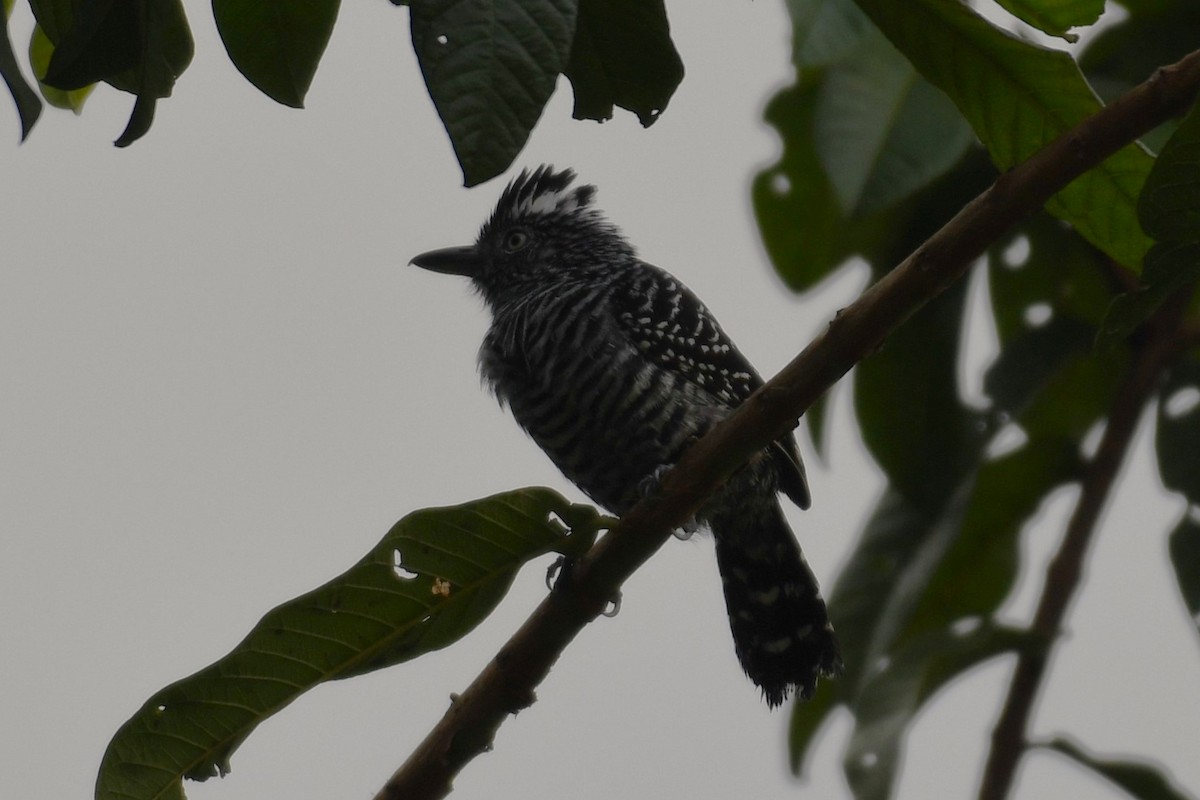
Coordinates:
<point>398,567</point>
<point>868,760</point>
<point>1038,314</point>
<point>443,39</point>
<point>1010,438</point>
<point>781,185</point>
<point>1091,440</point>
<point>966,626</point>
<point>1017,253</point>
<point>1182,402</point>
<point>160,709</point>
<point>881,664</point>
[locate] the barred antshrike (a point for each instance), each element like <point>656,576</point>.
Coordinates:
<point>614,367</point>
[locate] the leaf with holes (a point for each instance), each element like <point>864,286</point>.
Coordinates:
<point>1018,97</point>
<point>1177,436</point>
<point>1140,779</point>
<point>623,55</point>
<point>276,44</point>
<point>431,580</point>
<point>490,66</point>
<point>892,696</point>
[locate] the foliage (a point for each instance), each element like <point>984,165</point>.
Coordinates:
<point>899,115</point>
<point>963,481</point>
<point>490,65</point>
<point>435,575</point>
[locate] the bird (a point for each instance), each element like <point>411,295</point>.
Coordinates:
<point>614,367</point>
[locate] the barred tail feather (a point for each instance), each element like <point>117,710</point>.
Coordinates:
<point>781,630</point>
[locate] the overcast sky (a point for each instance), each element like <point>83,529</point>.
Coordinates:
<point>222,385</point>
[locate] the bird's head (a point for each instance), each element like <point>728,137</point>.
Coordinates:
<point>544,229</point>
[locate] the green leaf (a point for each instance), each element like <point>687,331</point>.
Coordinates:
<point>1169,207</point>
<point>1055,17</point>
<point>276,44</point>
<point>972,573</point>
<point>623,55</point>
<point>908,406</point>
<point>1018,97</point>
<point>892,696</point>
<point>432,579</point>
<point>40,51</point>
<point>881,130</point>
<point>1177,434</point>
<point>1141,779</point>
<point>1185,557</point>
<point>490,66</point>
<point>1169,267</point>
<point>29,107</point>
<point>138,46</point>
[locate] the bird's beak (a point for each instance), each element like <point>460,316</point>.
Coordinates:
<point>451,261</point>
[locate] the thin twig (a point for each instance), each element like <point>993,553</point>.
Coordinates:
<point>506,684</point>
<point>1065,570</point>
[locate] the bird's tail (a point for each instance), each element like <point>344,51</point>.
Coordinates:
<point>781,630</point>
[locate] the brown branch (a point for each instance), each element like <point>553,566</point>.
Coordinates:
<point>506,684</point>
<point>1155,351</point>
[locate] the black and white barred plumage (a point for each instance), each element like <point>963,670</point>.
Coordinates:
<point>614,368</point>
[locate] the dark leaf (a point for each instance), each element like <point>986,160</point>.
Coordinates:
<point>1185,557</point>
<point>892,696</point>
<point>623,55</point>
<point>1169,206</point>
<point>104,38</point>
<point>40,51</point>
<point>1142,780</point>
<point>276,44</point>
<point>432,579</point>
<point>1169,267</point>
<point>29,107</point>
<point>490,66</point>
<point>908,407</point>
<point>1177,437</point>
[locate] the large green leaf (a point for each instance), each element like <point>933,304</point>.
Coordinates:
<point>1140,779</point>
<point>623,55</point>
<point>276,44</point>
<point>1018,97</point>
<point>29,107</point>
<point>432,579</point>
<point>490,66</point>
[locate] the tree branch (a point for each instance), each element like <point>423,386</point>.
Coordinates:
<point>1065,570</point>
<point>506,684</point>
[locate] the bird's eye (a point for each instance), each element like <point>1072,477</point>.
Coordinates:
<point>515,240</point>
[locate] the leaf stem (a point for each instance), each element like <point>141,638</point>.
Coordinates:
<point>1063,575</point>
<point>507,683</point>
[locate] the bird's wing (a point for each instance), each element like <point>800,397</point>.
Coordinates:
<point>671,327</point>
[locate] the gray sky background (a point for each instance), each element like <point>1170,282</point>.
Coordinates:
<point>222,385</point>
